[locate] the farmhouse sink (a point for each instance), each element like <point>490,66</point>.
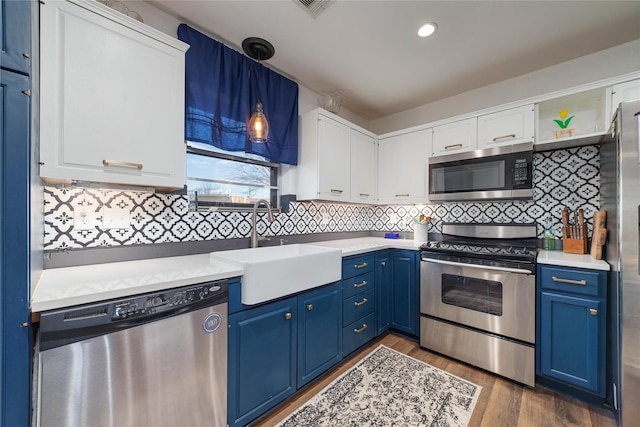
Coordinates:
<point>277,271</point>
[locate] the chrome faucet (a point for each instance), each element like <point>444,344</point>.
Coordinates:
<point>254,231</point>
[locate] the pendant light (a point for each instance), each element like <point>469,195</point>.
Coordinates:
<point>258,126</point>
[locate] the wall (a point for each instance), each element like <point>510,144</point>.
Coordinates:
<point>616,61</point>
<point>562,178</point>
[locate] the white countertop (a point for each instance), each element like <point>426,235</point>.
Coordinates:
<point>69,286</point>
<point>571,260</point>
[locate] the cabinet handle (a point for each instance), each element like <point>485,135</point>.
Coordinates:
<point>309,307</point>
<point>363,302</point>
<point>593,312</point>
<point>364,194</point>
<point>287,316</point>
<point>364,326</point>
<point>383,263</point>
<point>446,147</point>
<point>130,165</point>
<point>569,281</point>
<point>26,92</point>
<point>336,191</point>
<point>359,266</point>
<point>26,55</point>
<point>402,195</point>
<point>359,285</point>
<point>511,135</point>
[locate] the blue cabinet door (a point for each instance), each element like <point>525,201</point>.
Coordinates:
<point>15,35</point>
<point>571,340</point>
<point>262,359</point>
<point>404,298</point>
<point>319,332</point>
<point>383,292</point>
<point>15,353</point>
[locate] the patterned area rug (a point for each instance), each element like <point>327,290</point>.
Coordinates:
<point>388,388</point>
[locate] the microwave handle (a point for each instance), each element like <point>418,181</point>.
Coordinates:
<point>484,267</point>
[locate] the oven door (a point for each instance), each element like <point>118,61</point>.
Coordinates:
<point>493,299</point>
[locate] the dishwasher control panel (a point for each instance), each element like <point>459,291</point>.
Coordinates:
<point>147,305</point>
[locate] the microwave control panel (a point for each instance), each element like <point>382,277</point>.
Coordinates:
<point>520,172</point>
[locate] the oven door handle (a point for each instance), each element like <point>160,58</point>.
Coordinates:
<point>484,267</point>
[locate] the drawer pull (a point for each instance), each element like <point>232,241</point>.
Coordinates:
<point>130,165</point>
<point>336,191</point>
<point>511,135</point>
<point>309,307</point>
<point>364,194</point>
<point>363,302</point>
<point>383,263</point>
<point>359,266</point>
<point>569,281</point>
<point>402,195</point>
<point>448,147</point>
<point>593,312</point>
<point>364,326</point>
<point>287,316</point>
<point>359,285</point>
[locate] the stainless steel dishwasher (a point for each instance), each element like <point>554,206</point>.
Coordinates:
<point>158,359</point>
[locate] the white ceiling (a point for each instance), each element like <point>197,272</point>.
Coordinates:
<point>371,51</point>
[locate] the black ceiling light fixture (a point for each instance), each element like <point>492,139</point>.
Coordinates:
<point>260,50</point>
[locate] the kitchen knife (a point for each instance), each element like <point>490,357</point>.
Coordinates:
<point>581,223</point>
<point>565,223</point>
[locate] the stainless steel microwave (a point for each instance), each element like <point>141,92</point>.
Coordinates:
<point>489,174</point>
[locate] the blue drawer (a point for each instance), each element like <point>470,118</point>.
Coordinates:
<point>356,265</point>
<point>358,284</point>
<point>358,306</point>
<point>358,333</point>
<point>573,280</point>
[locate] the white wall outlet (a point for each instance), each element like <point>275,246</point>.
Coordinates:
<point>85,218</point>
<point>114,218</point>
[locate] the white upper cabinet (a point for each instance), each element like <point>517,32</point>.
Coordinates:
<point>363,167</point>
<point>112,98</point>
<point>622,92</point>
<point>566,119</point>
<point>455,137</point>
<point>402,167</point>
<point>506,127</point>
<point>337,160</point>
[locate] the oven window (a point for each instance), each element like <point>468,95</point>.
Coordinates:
<point>484,175</point>
<point>480,295</point>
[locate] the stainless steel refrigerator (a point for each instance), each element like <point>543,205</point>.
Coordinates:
<point>620,197</point>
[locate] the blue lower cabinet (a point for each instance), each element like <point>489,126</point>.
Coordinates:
<point>319,326</point>
<point>571,332</point>
<point>358,333</point>
<point>262,359</point>
<point>278,347</point>
<point>404,274</point>
<point>383,292</point>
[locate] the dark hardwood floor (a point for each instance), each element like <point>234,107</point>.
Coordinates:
<point>501,402</point>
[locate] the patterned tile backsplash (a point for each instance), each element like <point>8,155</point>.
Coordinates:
<point>562,178</point>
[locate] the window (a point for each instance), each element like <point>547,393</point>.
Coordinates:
<point>225,179</point>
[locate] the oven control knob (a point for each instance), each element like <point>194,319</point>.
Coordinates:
<point>120,312</point>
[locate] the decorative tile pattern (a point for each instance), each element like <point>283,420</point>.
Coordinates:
<point>562,178</point>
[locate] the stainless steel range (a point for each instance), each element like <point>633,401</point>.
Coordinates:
<point>477,297</point>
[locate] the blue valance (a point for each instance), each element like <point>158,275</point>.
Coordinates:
<point>222,87</point>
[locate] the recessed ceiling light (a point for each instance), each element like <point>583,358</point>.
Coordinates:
<point>427,29</point>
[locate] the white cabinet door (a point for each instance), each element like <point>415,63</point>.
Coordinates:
<point>455,137</point>
<point>112,98</point>
<point>402,167</point>
<point>334,160</point>
<point>622,92</point>
<point>506,127</point>
<point>363,167</point>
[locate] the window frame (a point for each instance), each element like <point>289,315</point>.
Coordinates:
<point>274,172</point>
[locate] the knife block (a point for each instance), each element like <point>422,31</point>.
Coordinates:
<point>575,246</point>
